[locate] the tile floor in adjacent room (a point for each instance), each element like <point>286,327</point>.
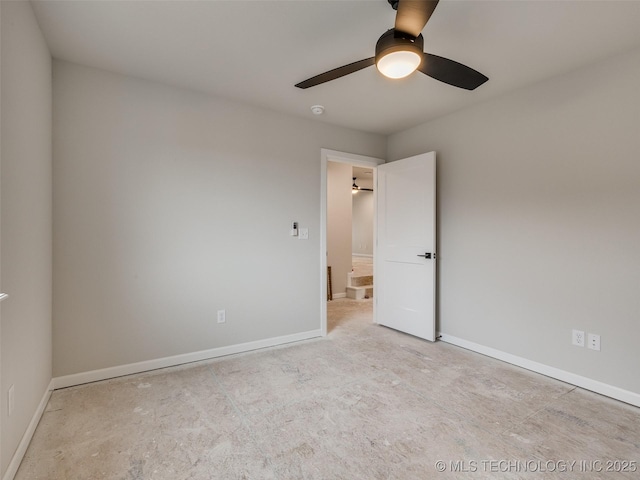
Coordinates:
<point>364,403</point>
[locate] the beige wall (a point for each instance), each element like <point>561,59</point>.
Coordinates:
<point>539,219</point>
<point>170,205</point>
<point>25,221</point>
<point>339,195</point>
<point>362,237</point>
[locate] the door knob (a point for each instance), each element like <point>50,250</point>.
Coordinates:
<point>426,255</point>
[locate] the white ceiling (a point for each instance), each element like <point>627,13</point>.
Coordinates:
<point>255,51</point>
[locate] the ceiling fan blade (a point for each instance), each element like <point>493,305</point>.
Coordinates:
<point>451,72</point>
<point>413,15</point>
<point>337,73</point>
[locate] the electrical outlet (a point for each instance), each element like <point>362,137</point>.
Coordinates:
<point>577,338</point>
<point>593,341</point>
<point>222,317</point>
<point>11,400</point>
<point>303,234</point>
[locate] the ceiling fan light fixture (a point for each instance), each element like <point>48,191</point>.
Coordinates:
<point>400,52</point>
<point>398,55</point>
<point>399,64</point>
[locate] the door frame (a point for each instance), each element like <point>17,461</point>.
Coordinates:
<point>326,156</point>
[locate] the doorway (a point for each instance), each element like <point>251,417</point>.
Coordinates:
<point>360,280</point>
<point>347,163</point>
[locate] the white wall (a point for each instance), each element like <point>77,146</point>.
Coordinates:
<point>25,218</point>
<point>339,195</point>
<point>362,211</point>
<point>539,219</point>
<point>170,205</point>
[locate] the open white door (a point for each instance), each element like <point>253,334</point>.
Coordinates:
<point>405,257</point>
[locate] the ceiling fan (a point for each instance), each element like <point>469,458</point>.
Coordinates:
<point>400,51</point>
<point>355,188</point>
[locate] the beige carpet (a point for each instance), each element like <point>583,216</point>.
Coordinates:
<point>364,403</point>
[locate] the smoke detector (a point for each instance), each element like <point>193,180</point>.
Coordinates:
<point>317,109</point>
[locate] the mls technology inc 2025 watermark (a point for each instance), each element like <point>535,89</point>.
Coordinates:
<point>536,466</point>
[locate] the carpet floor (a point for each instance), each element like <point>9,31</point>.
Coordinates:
<point>366,402</point>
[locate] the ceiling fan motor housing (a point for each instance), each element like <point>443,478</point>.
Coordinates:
<point>395,41</point>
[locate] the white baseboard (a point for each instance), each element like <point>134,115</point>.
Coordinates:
<point>562,375</point>
<point>367,255</point>
<point>14,464</point>
<point>340,295</point>
<point>131,368</point>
